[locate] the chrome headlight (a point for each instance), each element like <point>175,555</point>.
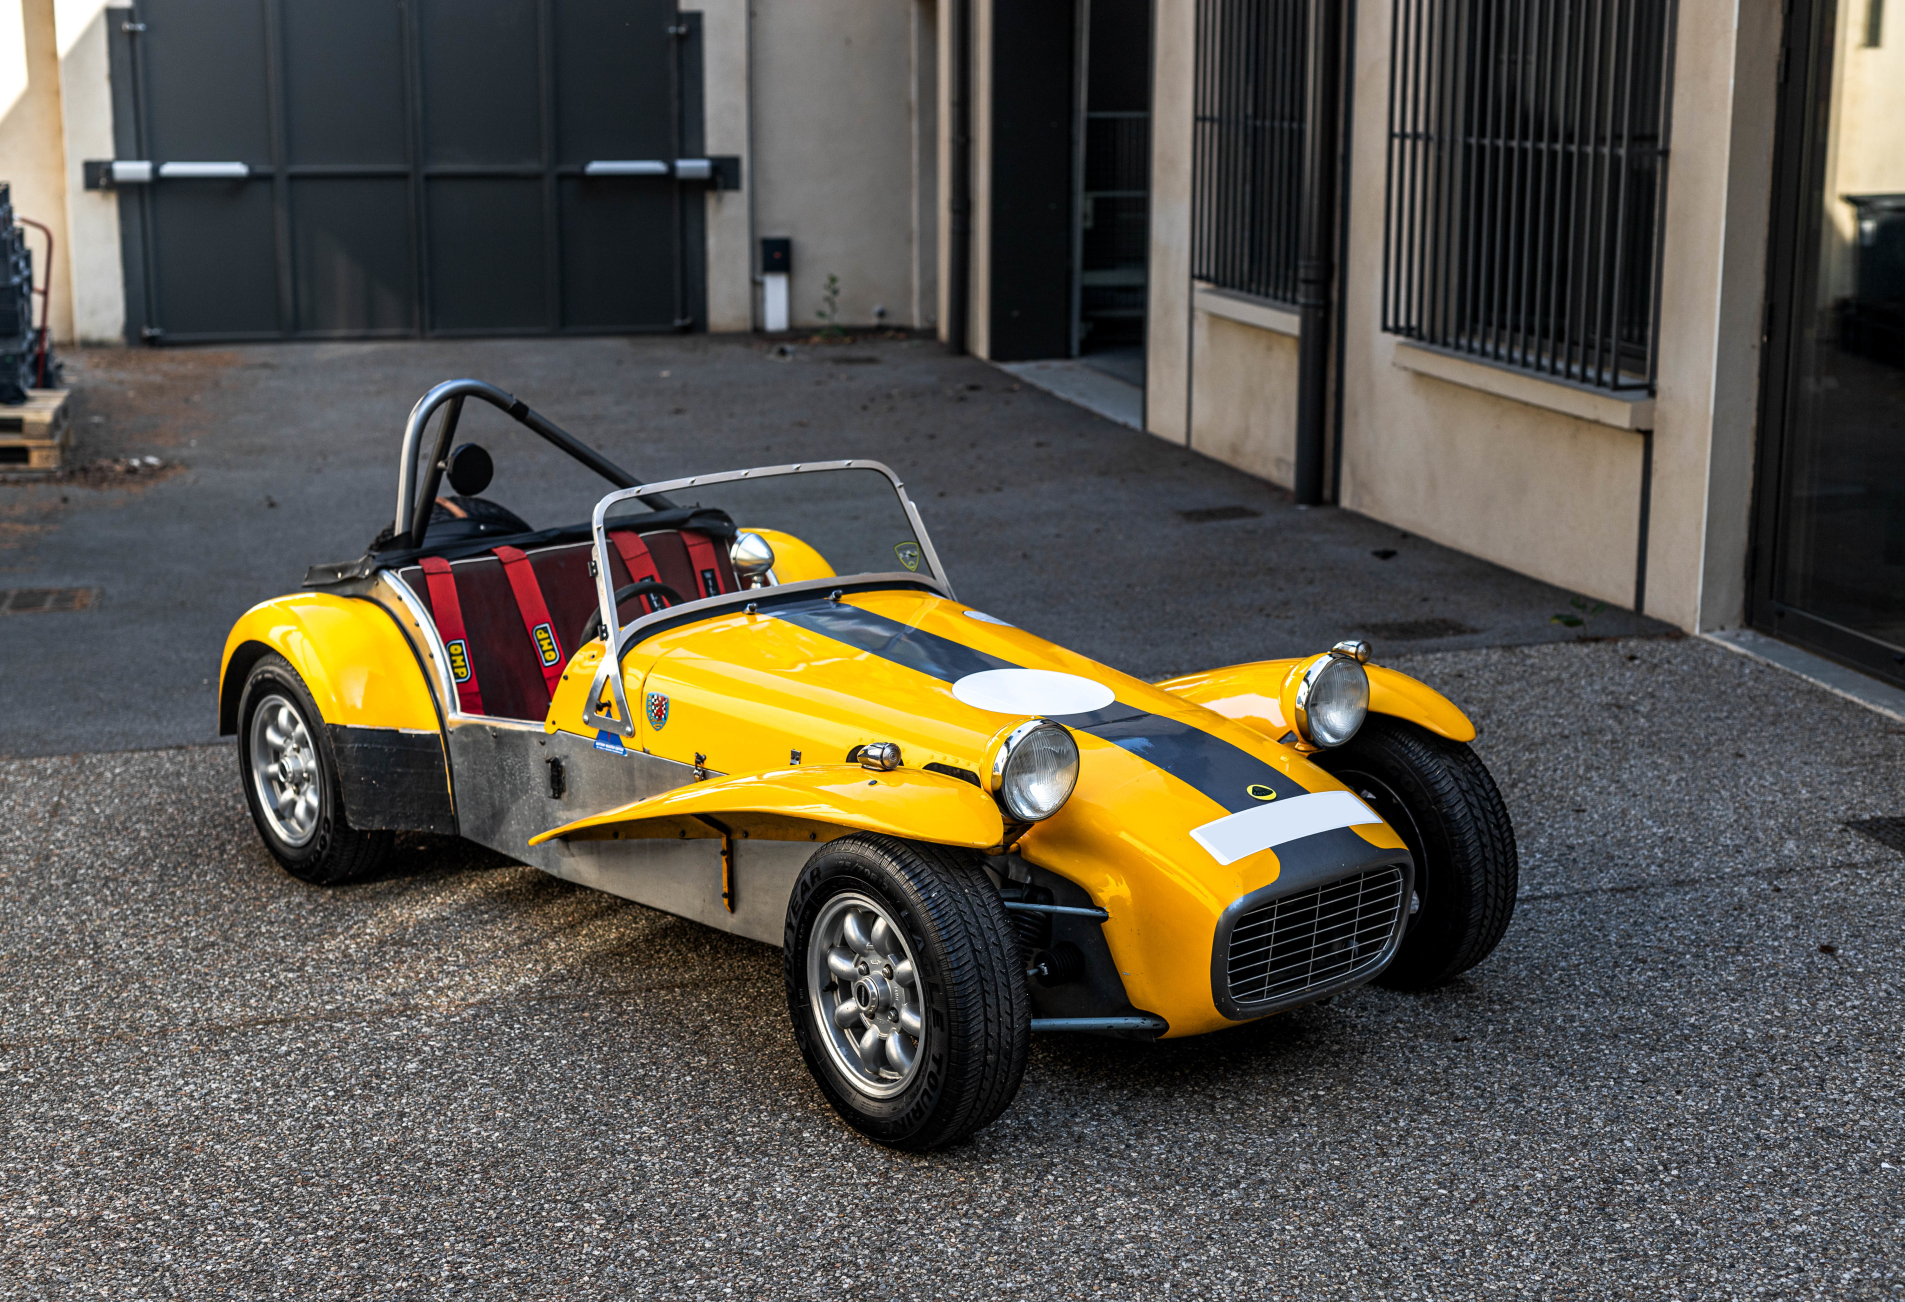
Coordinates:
<point>1332,700</point>
<point>1036,770</point>
<point>751,555</point>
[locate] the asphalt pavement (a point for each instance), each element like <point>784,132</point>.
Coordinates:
<point>1678,1077</point>
<point>276,457</point>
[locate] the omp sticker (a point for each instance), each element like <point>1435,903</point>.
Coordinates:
<point>1236,836</point>
<point>459,660</point>
<point>710,584</point>
<point>608,741</point>
<point>546,645</point>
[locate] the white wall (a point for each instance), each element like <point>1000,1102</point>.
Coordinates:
<point>839,118</point>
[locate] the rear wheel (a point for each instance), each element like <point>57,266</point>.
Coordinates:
<point>291,785</point>
<point>1438,795</point>
<point>906,990</point>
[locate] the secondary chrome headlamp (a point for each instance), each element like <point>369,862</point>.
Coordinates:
<point>752,556</point>
<point>1036,769</point>
<point>1332,697</point>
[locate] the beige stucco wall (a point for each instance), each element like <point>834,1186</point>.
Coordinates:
<point>1711,309</point>
<point>979,266</point>
<point>97,290</point>
<point>836,127</point>
<point>1551,495</point>
<point>1168,306</point>
<point>725,119</point>
<point>1546,494</point>
<point>32,159</point>
<point>1244,398</point>
<point>925,99</point>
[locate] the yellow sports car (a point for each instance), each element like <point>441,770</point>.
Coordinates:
<point>751,699</point>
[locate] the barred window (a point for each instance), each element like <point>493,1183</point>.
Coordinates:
<point>1526,173</point>
<point>1247,165</point>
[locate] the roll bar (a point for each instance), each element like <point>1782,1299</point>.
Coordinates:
<point>413,515</point>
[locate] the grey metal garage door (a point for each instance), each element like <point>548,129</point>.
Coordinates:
<point>362,168</point>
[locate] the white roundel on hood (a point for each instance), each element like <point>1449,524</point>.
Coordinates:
<point>1032,691</point>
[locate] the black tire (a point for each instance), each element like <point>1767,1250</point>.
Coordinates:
<point>969,984</point>
<point>1438,794</point>
<point>329,851</point>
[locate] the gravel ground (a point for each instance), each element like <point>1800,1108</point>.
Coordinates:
<point>1679,1076</point>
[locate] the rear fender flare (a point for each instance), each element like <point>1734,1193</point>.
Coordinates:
<point>360,669</point>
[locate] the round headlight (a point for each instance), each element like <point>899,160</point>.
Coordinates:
<point>1332,701</point>
<point>751,555</point>
<point>1036,771</point>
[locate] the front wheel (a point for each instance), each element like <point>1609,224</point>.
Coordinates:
<point>1438,795</point>
<point>906,991</point>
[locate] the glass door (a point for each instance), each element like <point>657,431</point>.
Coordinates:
<point>1829,549</point>
<point>1111,244</point>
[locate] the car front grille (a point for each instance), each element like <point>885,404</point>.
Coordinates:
<point>1315,940</point>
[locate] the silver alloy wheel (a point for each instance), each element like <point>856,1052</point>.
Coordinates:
<point>284,770</point>
<point>865,992</point>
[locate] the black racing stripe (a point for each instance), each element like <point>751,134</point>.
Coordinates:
<point>930,654</point>
<point>1220,770</point>
<point>1224,772</point>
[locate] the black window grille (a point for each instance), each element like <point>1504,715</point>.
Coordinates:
<point>1247,168</point>
<point>1526,174</point>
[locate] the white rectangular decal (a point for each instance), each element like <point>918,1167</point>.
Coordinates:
<point>1234,836</point>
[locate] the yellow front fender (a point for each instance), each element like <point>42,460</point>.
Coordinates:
<point>351,654</point>
<point>817,803</point>
<point>1252,693</point>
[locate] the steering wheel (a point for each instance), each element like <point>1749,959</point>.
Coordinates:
<point>593,629</point>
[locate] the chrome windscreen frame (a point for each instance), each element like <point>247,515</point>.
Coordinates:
<point>620,639</point>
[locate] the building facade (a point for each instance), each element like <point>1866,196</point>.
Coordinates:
<point>1610,292</point>
<point>1606,291</point>
<point>392,168</point>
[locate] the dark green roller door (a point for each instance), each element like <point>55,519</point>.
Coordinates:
<point>364,168</point>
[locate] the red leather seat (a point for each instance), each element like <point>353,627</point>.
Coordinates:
<point>507,664</point>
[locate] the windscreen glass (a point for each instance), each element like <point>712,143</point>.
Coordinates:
<point>850,522</point>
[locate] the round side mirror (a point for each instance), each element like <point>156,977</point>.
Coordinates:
<point>751,555</point>
<point>470,470</point>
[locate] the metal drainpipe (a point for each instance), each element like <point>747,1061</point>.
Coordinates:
<point>1313,266</point>
<point>959,198</point>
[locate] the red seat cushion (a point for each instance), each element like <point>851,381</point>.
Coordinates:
<point>507,664</point>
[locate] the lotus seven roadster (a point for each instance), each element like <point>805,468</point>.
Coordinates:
<point>752,700</point>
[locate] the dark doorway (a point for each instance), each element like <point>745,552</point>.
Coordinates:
<point>1829,542</point>
<point>1113,209</point>
<point>407,167</point>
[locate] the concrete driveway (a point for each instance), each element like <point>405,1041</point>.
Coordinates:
<point>1679,1076</point>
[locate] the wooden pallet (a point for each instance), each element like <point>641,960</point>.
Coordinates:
<point>35,435</point>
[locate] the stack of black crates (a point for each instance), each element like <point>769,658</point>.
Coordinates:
<point>19,341</point>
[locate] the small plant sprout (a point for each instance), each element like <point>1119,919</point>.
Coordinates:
<point>1585,610</point>
<point>830,308</point>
